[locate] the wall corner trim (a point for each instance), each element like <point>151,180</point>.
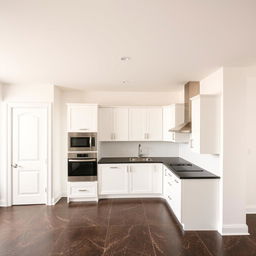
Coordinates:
<point>234,230</point>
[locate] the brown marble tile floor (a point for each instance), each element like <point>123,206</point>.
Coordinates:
<point>118,227</point>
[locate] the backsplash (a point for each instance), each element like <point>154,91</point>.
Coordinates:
<point>124,149</point>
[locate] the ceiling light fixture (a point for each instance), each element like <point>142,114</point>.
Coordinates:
<point>125,58</point>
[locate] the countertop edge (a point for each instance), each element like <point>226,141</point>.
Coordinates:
<point>161,162</point>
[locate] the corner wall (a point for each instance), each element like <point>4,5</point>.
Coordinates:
<point>251,141</point>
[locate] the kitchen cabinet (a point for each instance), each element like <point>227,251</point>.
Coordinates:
<point>172,192</point>
<point>158,178</point>
<point>145,124</point>
<point>141,178</point>
<point>173,116</point>
<point>128,179</point>
<point>82,118</point>
<point>82,191</point>
<point>205,136</point>
<point>113,124</point>
<point>189,200</point>
<point>113,179</point>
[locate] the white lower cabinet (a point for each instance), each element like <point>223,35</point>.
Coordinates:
<point>82,191</point>
<point>128,179</point>
<point>193,201</point>
<point>113,179</point>
<point>141,178</point>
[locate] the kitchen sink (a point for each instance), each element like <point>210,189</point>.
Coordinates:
<point>140,159</point>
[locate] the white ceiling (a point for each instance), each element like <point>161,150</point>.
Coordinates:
<point>79,43</point>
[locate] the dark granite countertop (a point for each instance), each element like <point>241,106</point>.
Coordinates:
<point>167,161</point>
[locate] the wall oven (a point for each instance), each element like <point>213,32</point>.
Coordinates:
<point>82,141</point>
<point>82,167</point>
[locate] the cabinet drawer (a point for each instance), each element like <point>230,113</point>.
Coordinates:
<point>82,189</point>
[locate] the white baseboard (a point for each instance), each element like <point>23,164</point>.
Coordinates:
<point>251,209</point>
<point>131,196</point>
<point>57,199</point>
<point>234,230</point>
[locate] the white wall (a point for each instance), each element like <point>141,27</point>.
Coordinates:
<point>57,146</point>
<point>28,93</point>
<point>251,142</point>
<point>124,98</point>
<point>2,149</point>
<point>124,149</point>
<point>233,152</point>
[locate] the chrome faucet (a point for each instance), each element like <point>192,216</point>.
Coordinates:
<point>139,151</point>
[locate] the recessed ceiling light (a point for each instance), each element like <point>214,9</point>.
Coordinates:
<point>125,58</point>
<point>124,82</point>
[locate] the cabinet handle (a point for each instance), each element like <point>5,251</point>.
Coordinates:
<point>176,181</point>
<point>169,184</point>
<point>173,136</point>
<point>169,197</point>
<point>169,174</point>
<point>145,136</point>
<point>113,167</point>
<point>148,136</point>
<point>83,129</point>
<point>165,172</point>
<point>191,143</point>
<point>83,190</point>
<point>82,160</point>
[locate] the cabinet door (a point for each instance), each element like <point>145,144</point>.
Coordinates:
<point>106,121</point>
<point>141,178</point>
<point>166,123</point>
<point>121,124</point>
<point>82,118</point>
<point>195,135</point>
<point>158,178</point>
<point>155,125</point>
<point>113,179</point>
<point>177,198</point>
<point>137,124</point>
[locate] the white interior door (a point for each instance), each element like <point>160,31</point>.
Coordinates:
<point>29,155</point>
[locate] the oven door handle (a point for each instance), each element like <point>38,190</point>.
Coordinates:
<point>82,160</point>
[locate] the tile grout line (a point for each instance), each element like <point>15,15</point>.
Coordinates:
<point>149,231</point>
<point>106,237</point>
<point>204,244</point>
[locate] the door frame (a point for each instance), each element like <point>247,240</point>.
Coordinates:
<point>48,176</point>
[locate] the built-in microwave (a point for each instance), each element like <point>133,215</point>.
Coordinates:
<point>82,141</point>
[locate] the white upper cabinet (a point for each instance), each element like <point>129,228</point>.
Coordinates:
<point>173,116</point>
<point>145,124</point>
<point>82,118</point>
<point>155,124</point>
<point>113,124</point>
<point>106,128</point>
<point>205,136</point>
<point>137,124</point>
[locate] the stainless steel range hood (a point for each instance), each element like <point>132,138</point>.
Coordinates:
<point>191,89</point>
